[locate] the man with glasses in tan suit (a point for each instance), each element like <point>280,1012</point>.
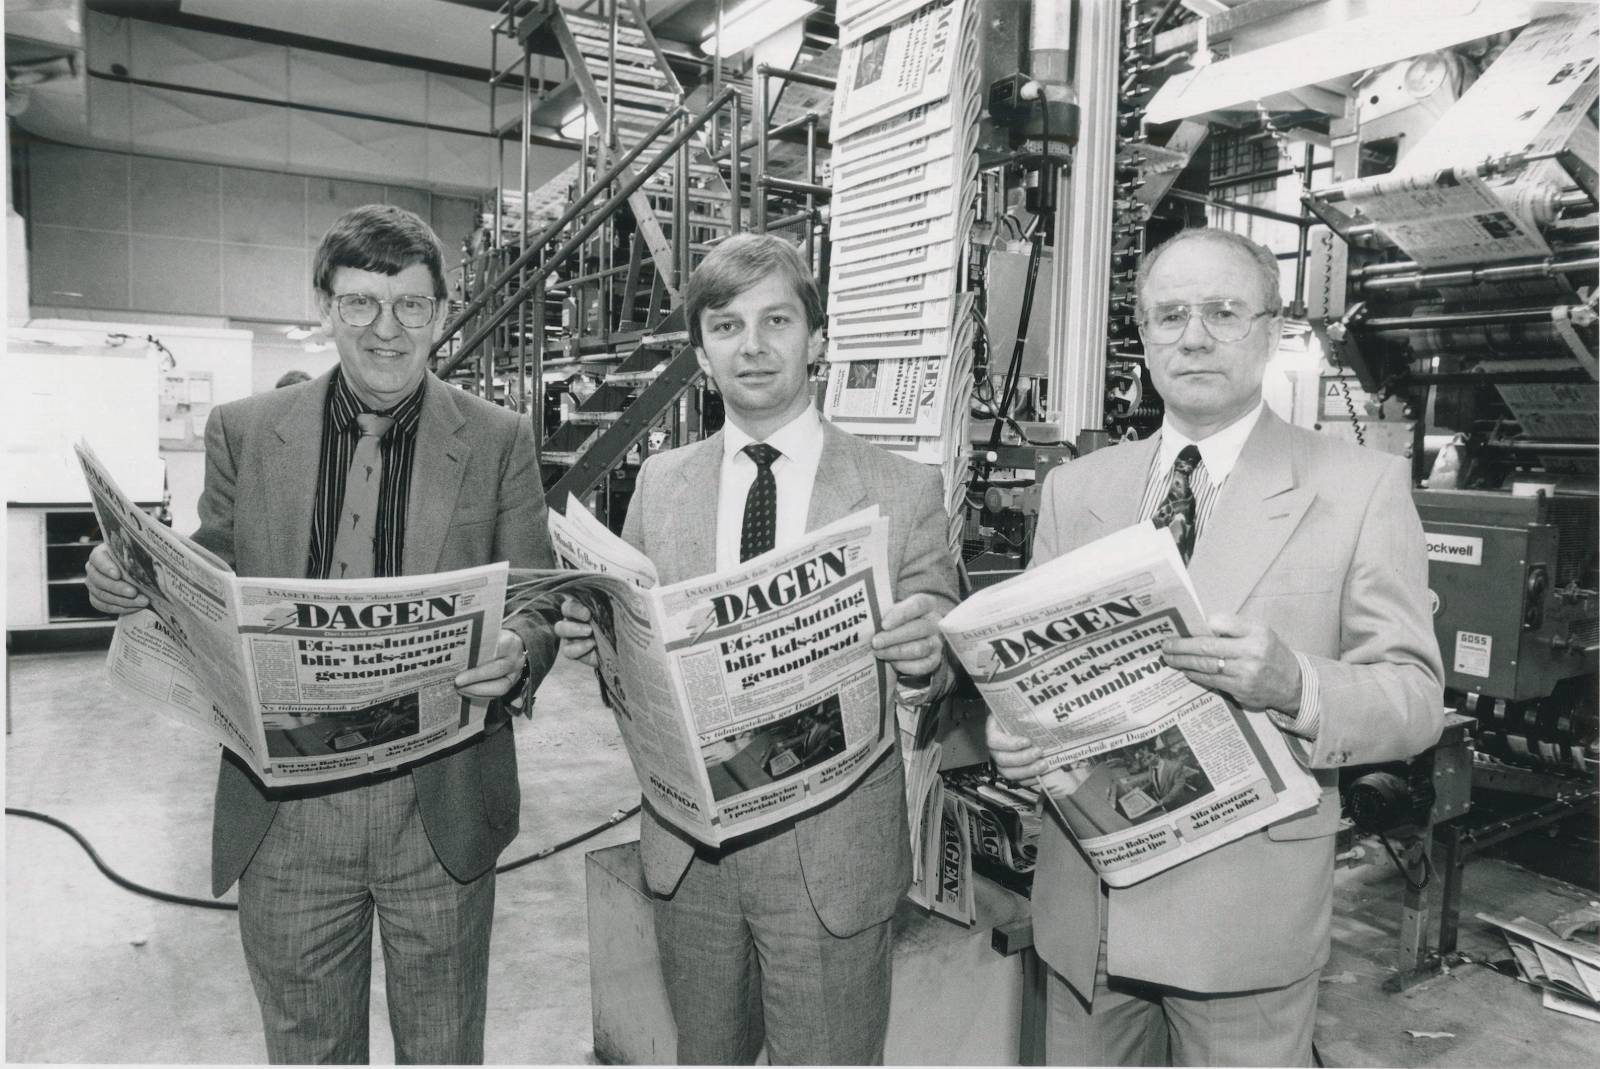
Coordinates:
<point>1308,554</point>
<point>376,468</point>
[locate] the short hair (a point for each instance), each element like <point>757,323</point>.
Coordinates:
<point>740,262</point>
<point>1265,262</point>
<point>289,378</point>
<point>381,238</point>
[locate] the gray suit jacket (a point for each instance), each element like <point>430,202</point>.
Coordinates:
<point>1319,540</point>
<point>855,852</point>
<point>475,499</point>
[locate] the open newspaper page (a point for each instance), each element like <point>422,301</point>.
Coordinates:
<point>183,651</point>
<point>306,680</point>
<point>356,675</point>
<point>751,695</point>
<point>1146,768</point>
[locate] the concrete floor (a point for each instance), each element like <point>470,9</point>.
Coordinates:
<point>96,974</point>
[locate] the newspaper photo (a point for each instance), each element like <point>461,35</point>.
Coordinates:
<point>1146,768</point>
<point>306,680</point>
<point>748,696</point>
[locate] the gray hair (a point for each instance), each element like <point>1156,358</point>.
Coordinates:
<point>1266,263</point>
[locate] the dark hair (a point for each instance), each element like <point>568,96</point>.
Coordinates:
<point>381,238</point>
<point>739,263</point>
<point>1265,262</point>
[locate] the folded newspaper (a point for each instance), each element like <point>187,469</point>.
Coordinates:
<point>748,696</point>
<point>305,680</point>
<point>1146,768</point>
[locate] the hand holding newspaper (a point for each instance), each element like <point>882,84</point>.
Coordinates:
<point>1146,768</point>
<point>306,680</point>
<point>744,697</point>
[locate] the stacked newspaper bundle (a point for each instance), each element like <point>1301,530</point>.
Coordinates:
<point>1566,970</point>
<point>941,847</point>
<point>905,126</point>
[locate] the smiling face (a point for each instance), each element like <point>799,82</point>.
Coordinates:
<point>382,361</point>
<point>758,349</point>
<point>1207,384</point>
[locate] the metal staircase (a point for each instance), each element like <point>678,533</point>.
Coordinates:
<point>585,275</point>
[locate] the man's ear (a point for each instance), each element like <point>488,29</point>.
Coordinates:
<point>325,311</point>
<point>815,347</point>
<point>705,368</point>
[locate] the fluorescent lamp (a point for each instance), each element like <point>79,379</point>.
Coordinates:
<point>753,22</point>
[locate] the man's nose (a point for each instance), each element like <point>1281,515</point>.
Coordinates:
<point>750,339</point>
<point>387,324</point>
<point>1195,335</point>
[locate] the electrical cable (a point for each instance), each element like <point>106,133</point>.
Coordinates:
<point>617,817</point>
<point>1427,865</point>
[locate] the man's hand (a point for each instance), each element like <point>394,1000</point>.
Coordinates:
<point>910,639</point>
<point>108,590</point>
<point>1017,759</point>
<point>492,679</point>
<point>576,633</point>
<point>1243,658</point>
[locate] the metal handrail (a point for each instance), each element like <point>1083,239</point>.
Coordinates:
<point>632,185</point>
<point>544,237</point>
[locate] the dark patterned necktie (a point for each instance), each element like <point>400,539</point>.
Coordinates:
<point>353,548</point>
<point>1176,513</point>
<point>761,507</point>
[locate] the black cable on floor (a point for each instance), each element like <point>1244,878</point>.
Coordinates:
<point>209,903</point>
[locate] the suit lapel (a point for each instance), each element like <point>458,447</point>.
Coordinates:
<point>291,480</point>
<point>838,490</point>
<point>698,490</point>
<point>439,466</point>
<point>1127,469</point>
<point>1256,511</point>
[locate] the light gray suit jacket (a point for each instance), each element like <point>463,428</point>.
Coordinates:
<point>855,852</point>
<point>475,499</point>
<point>1319,540</point>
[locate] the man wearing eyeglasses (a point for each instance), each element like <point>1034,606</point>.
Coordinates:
<point>432,479</point>
<point>1309,557</point>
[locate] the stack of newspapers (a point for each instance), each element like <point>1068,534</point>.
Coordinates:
<point>904,128</point>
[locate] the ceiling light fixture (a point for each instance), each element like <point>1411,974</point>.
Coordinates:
<point>753,22</point>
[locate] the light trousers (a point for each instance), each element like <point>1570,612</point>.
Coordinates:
<point>746,959</point>
<point>1135,1023</point>
<point>328,864</point>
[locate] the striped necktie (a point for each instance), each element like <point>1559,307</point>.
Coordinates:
<point>354,549</point>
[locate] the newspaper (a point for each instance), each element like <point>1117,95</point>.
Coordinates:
<point>896,67</point>
<point>305,680</point>
<point>1146,768</point>
<point>745,697</point>
<point>1537,97</point>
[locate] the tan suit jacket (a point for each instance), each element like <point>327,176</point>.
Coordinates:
<point>1320,541</point>
<point>855,852</point>
<point>475,499</point>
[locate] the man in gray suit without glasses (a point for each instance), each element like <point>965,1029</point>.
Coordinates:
<point>783,936</point>
<point>374,469</point>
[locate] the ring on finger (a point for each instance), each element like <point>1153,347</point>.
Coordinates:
<point>1222,665</point>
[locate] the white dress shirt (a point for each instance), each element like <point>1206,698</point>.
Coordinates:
<point>795,473</point>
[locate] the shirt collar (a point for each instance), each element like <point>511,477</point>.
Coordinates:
<point>346,406</point>
<point>1220,451</point>
<point>799,440</point>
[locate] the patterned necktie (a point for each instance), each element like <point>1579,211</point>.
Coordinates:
<point>761,507</point>
<point>1176,513</point>
<point>353,549</point>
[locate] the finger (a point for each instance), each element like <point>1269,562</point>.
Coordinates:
<point>1226,625</point>
<point>576,610</point>
<point>998,737</point>
<point>572,629</point>
<point>579,650</point>
<point>915,607</point>
<point>915,666</point>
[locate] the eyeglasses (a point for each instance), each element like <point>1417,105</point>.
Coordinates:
<point>1224,320</point>
<point>363,309</point>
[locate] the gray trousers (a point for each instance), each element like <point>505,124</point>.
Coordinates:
<point>746,959</point>
<point>306,907</point>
